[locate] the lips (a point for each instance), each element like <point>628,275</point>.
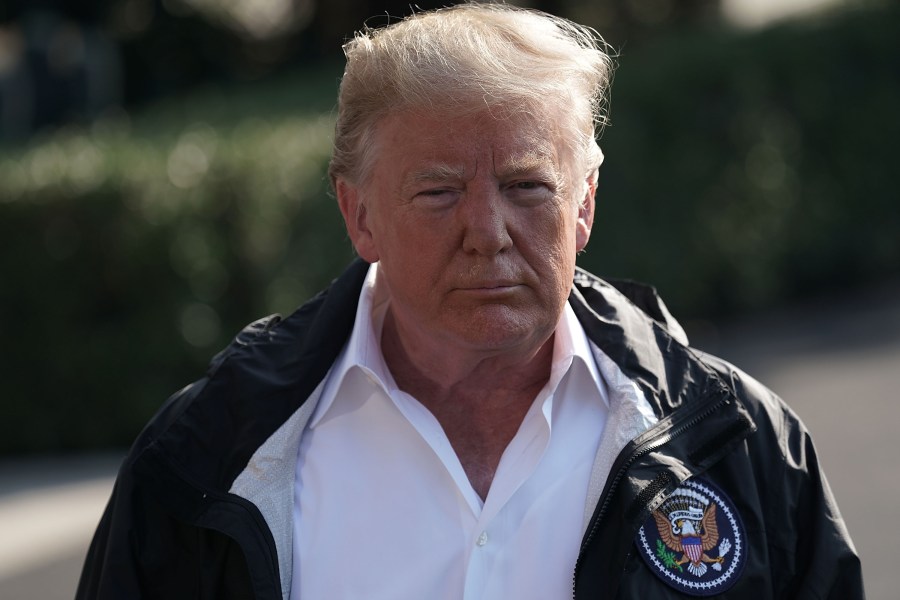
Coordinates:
<point>491,277</point>
<point>490,285</point>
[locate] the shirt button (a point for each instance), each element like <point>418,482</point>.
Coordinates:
<point>482,539</point>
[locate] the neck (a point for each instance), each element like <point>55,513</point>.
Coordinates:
<point>442,373</point>
<point>480,401</point>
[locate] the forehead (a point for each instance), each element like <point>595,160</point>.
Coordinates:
<point>413,141</point>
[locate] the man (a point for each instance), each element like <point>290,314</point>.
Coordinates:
<point>453,418</point>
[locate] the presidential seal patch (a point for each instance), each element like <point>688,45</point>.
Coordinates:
<point>694,541</point>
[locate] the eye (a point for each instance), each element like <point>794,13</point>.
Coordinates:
<point>527,185</point>
<point>528,192</point>
<point>436,197</point>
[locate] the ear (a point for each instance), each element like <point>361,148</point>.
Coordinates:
<point>586,212</point>
<point>356,218</point>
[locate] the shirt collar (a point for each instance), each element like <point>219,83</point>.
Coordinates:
<point>363,350</point>
<point>572,347</point>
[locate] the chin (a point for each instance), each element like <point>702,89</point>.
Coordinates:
<point>499,330</point>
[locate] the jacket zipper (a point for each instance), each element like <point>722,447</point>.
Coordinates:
<point>649,446</point>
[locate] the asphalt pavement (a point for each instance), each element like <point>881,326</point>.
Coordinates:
<point>836,361</point>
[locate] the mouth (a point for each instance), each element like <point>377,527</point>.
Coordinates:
<point>491,290</point>
<point>491,285</point>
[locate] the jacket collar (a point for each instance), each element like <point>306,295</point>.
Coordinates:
<point>630,323</point>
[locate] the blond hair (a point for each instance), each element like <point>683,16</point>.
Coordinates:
<point>469,58</point>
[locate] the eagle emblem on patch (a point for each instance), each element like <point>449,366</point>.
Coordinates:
<point>694,541</point>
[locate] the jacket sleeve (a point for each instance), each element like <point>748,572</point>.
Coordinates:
<point>814,541</point>
<point>140,551</point>
<point>134,547</point>
<point>110,570</point>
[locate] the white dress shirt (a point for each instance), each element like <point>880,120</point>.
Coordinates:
<point>384,510</point>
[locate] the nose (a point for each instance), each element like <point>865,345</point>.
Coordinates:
<point>482,214</point>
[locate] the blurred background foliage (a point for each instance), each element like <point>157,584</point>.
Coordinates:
<point>162,179</point>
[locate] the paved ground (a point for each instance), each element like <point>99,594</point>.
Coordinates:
<point>48,510</point>
<point>836,362</point>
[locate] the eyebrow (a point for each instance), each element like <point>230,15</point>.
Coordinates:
<point>437,172</point>
<point>537,161</point>
<point>518,165</point>
<point>526,164</point>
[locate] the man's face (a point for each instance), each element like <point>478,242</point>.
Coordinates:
<point>476,223</point>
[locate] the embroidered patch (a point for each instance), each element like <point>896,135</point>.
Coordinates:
<point>695,540</point>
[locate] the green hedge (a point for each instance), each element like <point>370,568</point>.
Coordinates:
<point>133,251</point>
<point>746,170</point>
<point>741,170</point>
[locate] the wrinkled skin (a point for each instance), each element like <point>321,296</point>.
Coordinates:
<point>476,223</point>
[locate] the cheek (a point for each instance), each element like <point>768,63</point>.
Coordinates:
<point>411,266</point>
<point>421,244</point>
<point>550,238</point>
<point>552,252</point>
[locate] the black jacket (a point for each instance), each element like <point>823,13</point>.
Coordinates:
<point>195,511</point>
